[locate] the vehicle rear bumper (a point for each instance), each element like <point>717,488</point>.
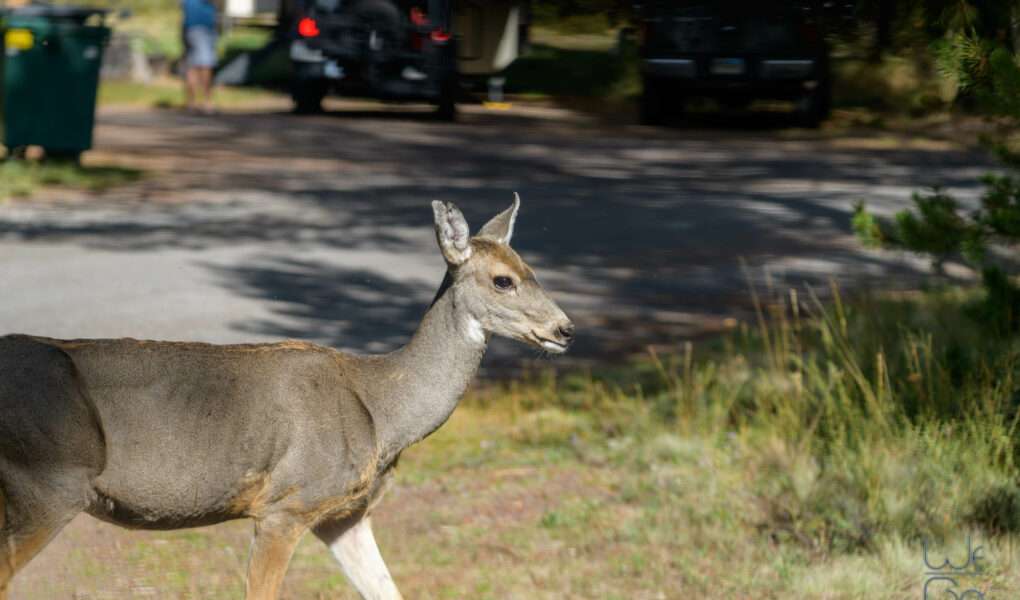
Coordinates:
<point>350,79</point>
<point>759,76</point>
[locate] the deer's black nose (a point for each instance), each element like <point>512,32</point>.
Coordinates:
<point>566,331</point>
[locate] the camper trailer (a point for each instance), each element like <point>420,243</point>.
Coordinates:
<point>415,50</point>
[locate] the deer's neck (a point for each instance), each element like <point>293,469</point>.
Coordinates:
<point>422,383</point>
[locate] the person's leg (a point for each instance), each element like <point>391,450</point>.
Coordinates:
<point>185,84</point>
<point>200,58</point>
<point>207,88</point>
<point>188,69</point>
<point>202,41</point>
<point>192,86</point>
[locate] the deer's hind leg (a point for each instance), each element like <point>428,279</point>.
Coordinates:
<point>353,545</point>
<point>29,519</point>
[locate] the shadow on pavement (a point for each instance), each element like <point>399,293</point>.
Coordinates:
<point>641,232</point>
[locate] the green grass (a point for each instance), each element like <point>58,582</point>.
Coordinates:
<point>155,22</point>
<point>273,70</point>
<point>546,16</point>
<point>22,177</point>
<point>553,71</point>
<point>902,85</point>
<point>159,31</point>
<point>240,39</point>
<point>582,66</point>
<point>170,94</point>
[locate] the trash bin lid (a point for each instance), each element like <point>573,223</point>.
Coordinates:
<point>77,14</point>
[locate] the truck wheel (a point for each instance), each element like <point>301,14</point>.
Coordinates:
<point>814,108</point>
<point>307,95</point>
<point>446,111</point>
<point>652,106</point>
<point>446,107</point>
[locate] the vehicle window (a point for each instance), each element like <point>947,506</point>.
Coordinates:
<point>328,5</point>
<point>727,27</point>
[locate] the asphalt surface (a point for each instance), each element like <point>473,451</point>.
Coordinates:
<point>259,225</point>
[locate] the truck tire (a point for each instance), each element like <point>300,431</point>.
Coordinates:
<point>652,104</point>
<point>307,95</point>
<point>449,85</point>
<point>446,104</point>
<point>815,107</point>
<point>446,107</point>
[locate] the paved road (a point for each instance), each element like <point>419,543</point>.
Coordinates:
<point>260,225</point>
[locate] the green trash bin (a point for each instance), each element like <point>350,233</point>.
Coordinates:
<point>50,76</point>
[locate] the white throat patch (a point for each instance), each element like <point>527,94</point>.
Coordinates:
<point>473,330</point>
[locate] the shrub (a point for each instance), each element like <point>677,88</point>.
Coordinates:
<point>939,228</point>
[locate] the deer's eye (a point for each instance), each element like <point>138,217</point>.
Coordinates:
<point>502,282</point>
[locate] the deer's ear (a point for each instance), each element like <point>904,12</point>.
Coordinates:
<point>501,227</point>
<point>452,232</point>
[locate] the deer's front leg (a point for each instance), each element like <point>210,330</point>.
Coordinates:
<point>271,550</point>
<point>353,544</point>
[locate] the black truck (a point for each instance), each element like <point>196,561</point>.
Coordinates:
<point>734,52</point>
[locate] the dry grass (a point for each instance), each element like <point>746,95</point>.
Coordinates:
<point>474,514</point>
<point>486,510</point>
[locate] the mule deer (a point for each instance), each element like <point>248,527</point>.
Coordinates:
<point>166,435</point>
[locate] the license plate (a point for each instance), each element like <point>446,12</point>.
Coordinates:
<point>728,66</point>
<point>332,70</point>
<point>19,39</point>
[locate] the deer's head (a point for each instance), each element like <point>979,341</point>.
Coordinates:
<point>494,290</point>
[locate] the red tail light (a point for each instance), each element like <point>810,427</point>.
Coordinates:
<point>418,17</point>
<point>307,27</point>
<point>440,37</point>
